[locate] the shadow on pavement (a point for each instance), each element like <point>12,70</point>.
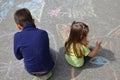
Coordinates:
<point>64,71</point>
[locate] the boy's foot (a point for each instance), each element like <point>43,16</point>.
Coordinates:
<point>45,77</point>
<point>36,78</point>
<point>49,74</point>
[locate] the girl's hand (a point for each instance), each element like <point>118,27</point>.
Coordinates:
<point>93,52</point>
<point>98,44</point>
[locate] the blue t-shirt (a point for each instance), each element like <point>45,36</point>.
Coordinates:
<point>32,45</point>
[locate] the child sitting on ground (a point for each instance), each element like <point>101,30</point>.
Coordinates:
<point>77,52</point>
<point>32,45</point>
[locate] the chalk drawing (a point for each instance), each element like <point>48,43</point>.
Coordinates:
<point>35,6</point>
<point>80,8</point>
<point>54,45</point>
<point>53,40</point>
<point>63,31</point>
<point>99,60</point>
<point>5,7</point>
<point>1,1</point>
<point>115,32</point>
<point>10,69</point>
<point>0,19</point>
<point>7,34</point>
<point>114,72</point>
<point>106,41</point>
<point>93,39</point>
<point>54,12</point>
<point>110,47</point>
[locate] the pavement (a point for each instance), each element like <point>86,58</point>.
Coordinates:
<point>56,16</point>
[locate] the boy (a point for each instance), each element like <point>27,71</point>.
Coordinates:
<point>32,45</point>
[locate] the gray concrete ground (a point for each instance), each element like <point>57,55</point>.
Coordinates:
<point>55,16</point>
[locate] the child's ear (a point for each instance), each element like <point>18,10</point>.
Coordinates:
<point>19,27</point>
<point>33,20</point>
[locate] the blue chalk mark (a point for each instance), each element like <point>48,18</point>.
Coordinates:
<point>11,2</point>
<point>5,7</point>
<point>37,1</point>
<point>1,1</point>
<point>99,60</point>
<point>31,4</point>
<point>3,13</point>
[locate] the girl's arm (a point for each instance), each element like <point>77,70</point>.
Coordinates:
<point>93,52</point>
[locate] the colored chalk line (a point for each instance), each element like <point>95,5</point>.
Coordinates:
<point>4,35</point>
<point>0,19</point>
<point>63,31</point>
<point>35,6</point>
<point>5,7</point>
<point>99,60</point>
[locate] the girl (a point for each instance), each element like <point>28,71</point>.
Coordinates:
<point>77,51</point>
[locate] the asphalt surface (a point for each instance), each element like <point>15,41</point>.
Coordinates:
<point>55,16</point>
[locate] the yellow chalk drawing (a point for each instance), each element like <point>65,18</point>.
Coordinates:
<point>115,32</point>
<point>63,31</point>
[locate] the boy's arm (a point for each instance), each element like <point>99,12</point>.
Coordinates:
<point>46,40</point>
<point>17,52</point>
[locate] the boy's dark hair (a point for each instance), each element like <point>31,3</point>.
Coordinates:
<point>23,17</point>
